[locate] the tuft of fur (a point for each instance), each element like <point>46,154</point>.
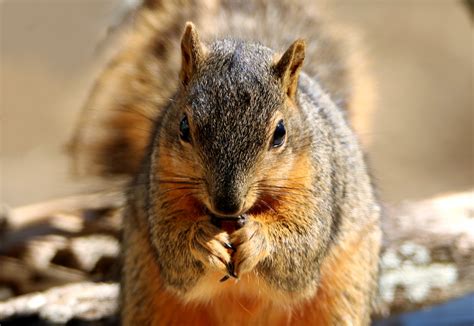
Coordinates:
<point>308,252</point>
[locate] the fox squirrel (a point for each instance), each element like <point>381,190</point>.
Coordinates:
<point>250,201</point>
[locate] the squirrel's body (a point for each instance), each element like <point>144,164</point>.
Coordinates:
<point>241,132</point>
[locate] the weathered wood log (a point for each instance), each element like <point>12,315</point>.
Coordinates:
<point>97,213</point>
<point>428,252</point>
<point>27,278</point>
<point>427,258</point>
<point>80,301</point>
<point>44,212</point>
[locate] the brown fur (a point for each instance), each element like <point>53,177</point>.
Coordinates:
<point>308,252</point>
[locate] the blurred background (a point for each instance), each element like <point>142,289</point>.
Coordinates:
<point>420,52</point>
<point>420,143</point>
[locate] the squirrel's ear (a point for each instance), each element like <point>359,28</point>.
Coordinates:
<point>192,53</point>
<point>288,67</point>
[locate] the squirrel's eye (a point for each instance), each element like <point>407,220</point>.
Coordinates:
<point>279,134</point>
<point>184,132</point>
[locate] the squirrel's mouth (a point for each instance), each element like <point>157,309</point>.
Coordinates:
<point>228,223</point>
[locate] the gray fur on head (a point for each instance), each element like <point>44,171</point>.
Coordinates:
<point>232,102</point>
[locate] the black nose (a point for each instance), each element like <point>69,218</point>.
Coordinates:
<point>226,206</point>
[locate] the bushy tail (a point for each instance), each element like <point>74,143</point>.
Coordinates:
<point>127,98</point>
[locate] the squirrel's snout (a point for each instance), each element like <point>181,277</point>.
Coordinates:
<point>227,194</point>
<point>227,206</point>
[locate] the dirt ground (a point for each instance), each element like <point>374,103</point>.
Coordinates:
<point>421,54</point>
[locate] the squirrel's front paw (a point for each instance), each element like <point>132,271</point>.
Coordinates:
<point>210,246</point>
<point>250,245</point>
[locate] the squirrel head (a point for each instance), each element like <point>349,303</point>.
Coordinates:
<point>234,130</point>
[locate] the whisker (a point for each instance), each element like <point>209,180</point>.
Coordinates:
<point>177,200</point>
<point>173,203</point>
<point>279,193</point>
<point>183,180</point>
<point>178,182</point>
<point>283,187</point>
<point>182,176</point>
<point>163,192</point>
<point>290,190</point>
<point>268,206</point>
<point>282,179</point>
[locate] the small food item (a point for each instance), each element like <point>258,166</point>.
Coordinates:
<point>229,223</point>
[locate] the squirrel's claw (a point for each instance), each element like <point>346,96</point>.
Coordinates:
<point>231,269</point>
<point>209,245</point>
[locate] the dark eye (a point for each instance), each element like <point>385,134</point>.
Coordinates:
<point>184,132</point>
<point>279,134</point>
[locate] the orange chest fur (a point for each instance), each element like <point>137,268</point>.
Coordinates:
<point>244,302</point>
